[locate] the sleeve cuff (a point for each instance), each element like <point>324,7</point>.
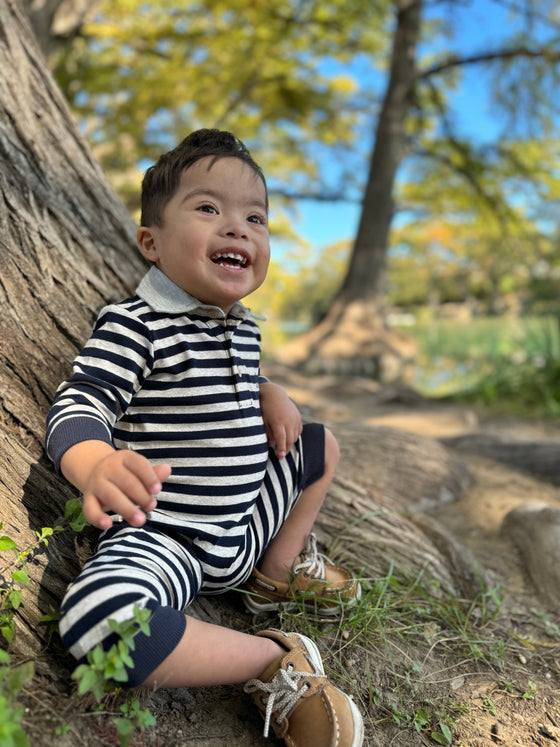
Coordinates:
<point>73,431</point>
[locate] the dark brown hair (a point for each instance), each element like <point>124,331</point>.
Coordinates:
<point>162,179</point>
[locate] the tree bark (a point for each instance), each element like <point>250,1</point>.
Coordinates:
<point>54,21</point>
<point>67,242</point>
<point>366,275</point>
<point>353,337</point>
<point>67,246</point>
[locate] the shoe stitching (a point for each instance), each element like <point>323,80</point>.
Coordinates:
<point>331,713</point>
<point>262,583</point>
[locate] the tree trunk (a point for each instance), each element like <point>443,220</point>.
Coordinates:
<point>54,21</point>
<point>67,242</point>
<point>353,337</point>
<point>67,246</point>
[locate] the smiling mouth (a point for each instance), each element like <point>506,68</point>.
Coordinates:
<point>230,259</point>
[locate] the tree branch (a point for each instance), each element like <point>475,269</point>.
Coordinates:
<point>550,55</point>
<point>319,196</point>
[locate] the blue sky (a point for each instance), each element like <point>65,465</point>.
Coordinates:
<point>477,26</point>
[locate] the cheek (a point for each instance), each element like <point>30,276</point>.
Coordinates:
<point>264,265</point>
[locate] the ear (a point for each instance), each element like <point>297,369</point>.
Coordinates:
<point>146,241</point>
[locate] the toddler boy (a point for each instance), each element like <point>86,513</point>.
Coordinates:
<point>196,468</point>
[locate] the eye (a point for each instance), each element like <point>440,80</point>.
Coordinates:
<point>207,209</point>
<point>257,219</point>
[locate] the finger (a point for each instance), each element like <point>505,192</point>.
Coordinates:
<point>113,499</point>
<point>162,471</point>
<point>281,442</point>
<point>269,435</point>
<point>139,480</point>
<point>94,513</point>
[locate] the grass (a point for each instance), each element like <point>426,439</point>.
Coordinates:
<point>395,628</point>
<point>508,364</point>
<point>511,365</point>
<point>397,650</point>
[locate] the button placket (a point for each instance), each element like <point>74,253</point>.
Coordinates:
<point>237,367</point>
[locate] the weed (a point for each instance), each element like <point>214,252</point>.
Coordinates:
<point>531,693</point>
<point>106,669</point>
<point>552,630</point>
<point>106,666</point>
<point>509,687</point>
<point>443,734</point>
<point>100,675</point>
<point>13,678</point>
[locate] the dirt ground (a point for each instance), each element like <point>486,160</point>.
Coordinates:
<point>513,702</point>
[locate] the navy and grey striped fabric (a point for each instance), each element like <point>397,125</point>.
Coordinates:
<point>164,570</point>
<point>178,382</point>
<point>179,388</point>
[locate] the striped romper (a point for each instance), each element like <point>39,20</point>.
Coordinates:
<point>177,381</point>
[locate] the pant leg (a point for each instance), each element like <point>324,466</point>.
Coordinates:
<point>131,567</point>
<point>285,480</point>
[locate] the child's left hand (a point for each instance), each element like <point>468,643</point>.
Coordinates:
<point>282,419</point>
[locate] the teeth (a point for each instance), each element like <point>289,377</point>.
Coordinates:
<point>230,255</point>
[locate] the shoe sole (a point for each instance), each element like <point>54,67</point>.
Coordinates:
<point>255,607</point>
<point>315,656</point>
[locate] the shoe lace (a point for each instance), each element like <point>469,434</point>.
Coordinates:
<point>283,692</point>
<point>312,561</point>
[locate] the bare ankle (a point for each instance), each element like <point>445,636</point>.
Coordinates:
<point>276,571</point>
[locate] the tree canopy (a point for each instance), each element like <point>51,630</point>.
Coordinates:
<point>312,86</point>
<point>142,75</point>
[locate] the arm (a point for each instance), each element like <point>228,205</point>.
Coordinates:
<point>117,480</point>
<point>106,375</point>
<point>282,419</point>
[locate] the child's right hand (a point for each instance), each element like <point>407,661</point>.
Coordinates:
<point>120,481</point>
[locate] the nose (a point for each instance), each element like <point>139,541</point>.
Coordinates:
<point>235,227</point>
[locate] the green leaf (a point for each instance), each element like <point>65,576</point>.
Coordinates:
<point>21,577</point>
<point>8,628</point>
<point>21,676</point>
<point>446,731</point>
<point>7,543</point>
<point>50,617</point>
<point>15,598</point>
<point>88,681</point>
<point>445,737</point>
<point>124,728</point>
<point>97,657</point>
<point>4,657</point>
<point>74,514</point>
<point>145,719</point>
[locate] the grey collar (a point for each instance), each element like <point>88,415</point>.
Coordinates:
<point>161,293</point>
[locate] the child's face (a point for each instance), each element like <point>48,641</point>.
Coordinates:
<point>213,241</point>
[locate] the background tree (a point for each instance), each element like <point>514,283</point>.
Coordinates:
<point>283,74</point>
<point>141,75</point>
<point>414,97</point>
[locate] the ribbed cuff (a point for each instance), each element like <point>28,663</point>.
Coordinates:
<point>167,627</point>
<point>73,431</point>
